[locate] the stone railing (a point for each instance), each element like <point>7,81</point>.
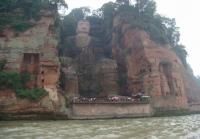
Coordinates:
<point>194,103</point>
<point>111,100</point>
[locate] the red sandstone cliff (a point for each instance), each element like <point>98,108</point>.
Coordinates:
<point>138,64</point>
<point>153,69</point>
<point>33,51</point>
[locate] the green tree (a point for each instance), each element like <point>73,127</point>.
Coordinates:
<point>181,53</point>
<point>123,2</point>
<point>146,6</point>
<point>69,22</point>
<point>80,13</point>
<point>97,28</point>
<point>142,15</point>
<point>108,13</point>
<point>7,5</point>
<point>18,13</point>
<point>2,64</point>
<point>58,3</point>
<point>108,10</point>
<point>68,26</point>
<point>172,31</point>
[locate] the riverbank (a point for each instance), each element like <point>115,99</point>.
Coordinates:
<point>84,109</point>
<point>62,116</point>
<point>32,116</point>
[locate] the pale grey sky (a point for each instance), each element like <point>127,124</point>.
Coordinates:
<point>186,13</point>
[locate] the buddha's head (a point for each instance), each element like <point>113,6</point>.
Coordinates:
<point>83,27</point>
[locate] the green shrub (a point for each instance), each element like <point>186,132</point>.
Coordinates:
<point>10,80</point>
<point>32,94</point>
<point>13,80</point>
<point>16,13</point>
<point>23,26</point>
<point>17,82</point>
<point>181,53</point>
<point>24,78</point>
<point>2,64</point>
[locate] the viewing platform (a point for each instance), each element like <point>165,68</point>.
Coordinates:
<point>110,107</point>
<point>112,100</point>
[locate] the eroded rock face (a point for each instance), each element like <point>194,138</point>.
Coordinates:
<point>107,70</point>
<point>69,77</point>
<point>10,104</point>
<point>153,70</point>
<point>192,88</point>
<point>33,51</point>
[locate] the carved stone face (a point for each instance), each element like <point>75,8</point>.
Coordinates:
<point>83,27</point>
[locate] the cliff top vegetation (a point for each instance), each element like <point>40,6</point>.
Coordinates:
<point>141,14</point>
<point>20,14</point>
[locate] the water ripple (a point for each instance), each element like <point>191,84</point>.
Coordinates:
<point>184,127</point>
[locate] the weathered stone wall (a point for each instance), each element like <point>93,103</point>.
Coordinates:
<point>37,39</point>
<point>152,69</point>
<point>33,51</point>
<point>69,77</point>
<point>108,76</point>
<point>194,107</point>
<point>90,111</point>
<point>192,88</point>
<point>9,103</point>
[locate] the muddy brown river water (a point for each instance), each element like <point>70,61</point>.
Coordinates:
<point>183,127</point>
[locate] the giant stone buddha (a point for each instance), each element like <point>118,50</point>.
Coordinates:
<point>86,71</point>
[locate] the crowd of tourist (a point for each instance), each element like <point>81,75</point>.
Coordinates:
<point>112,99</point>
